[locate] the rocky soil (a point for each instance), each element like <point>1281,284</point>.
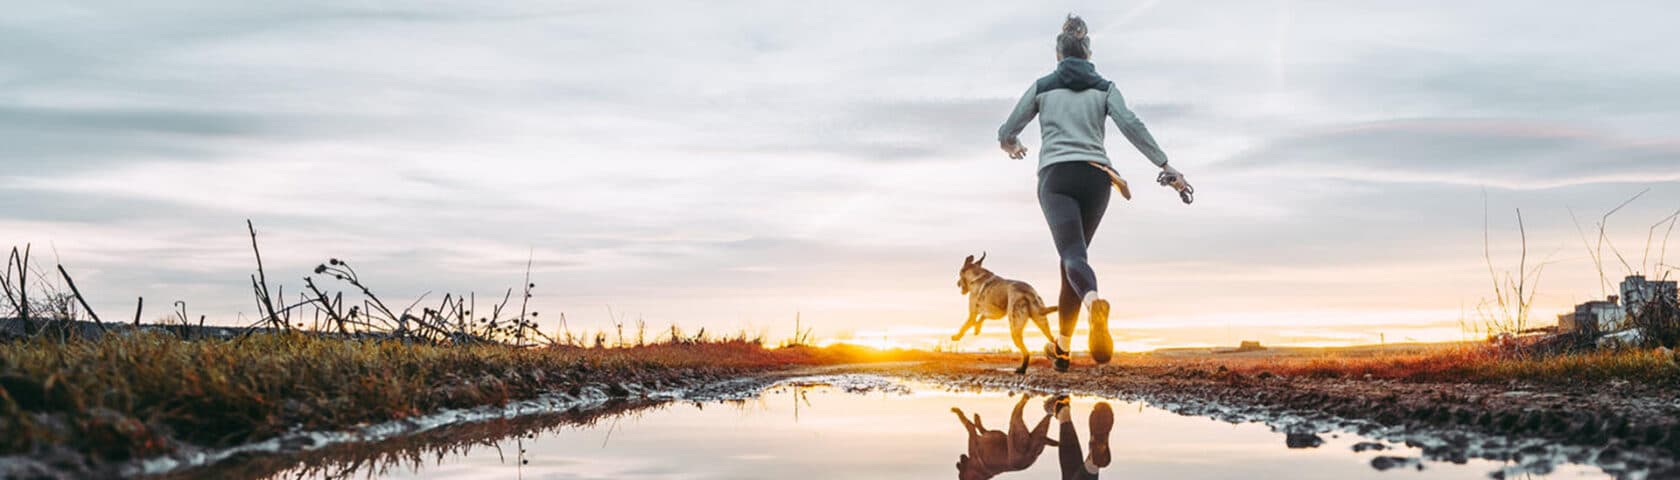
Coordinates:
<point>1628,430</point>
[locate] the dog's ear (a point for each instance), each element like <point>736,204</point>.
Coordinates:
<point>968,261</point>
<point>981,260</point>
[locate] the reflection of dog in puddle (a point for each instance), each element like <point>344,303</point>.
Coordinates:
<point>992,452</point>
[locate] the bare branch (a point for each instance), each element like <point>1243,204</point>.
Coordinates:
<point>1662,255</point>
<point>83,301</point>
<point>1522,274</point>
<point>1487,255</point>
<point>265,300</point>
<point>1603,224</point>
<point>1603,281</point>
<point>22,286</point>
<point>524,302</point>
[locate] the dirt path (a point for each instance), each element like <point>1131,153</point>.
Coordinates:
<point>1618,426</point>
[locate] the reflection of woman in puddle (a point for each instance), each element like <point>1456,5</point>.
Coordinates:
<point>1075,464</point>
<point>991,452</point>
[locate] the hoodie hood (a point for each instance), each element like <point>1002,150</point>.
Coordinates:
<point>1075,74</point>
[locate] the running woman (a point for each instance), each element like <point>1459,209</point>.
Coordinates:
<point>1074,174</point>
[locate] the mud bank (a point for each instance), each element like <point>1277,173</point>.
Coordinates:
<point>1629,431</point>
<point>573,404</point>
<point>405,443</point>
<point>505,432</point>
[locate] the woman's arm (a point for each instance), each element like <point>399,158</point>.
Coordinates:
<point>1134,129</point>
<point>1025,110</point>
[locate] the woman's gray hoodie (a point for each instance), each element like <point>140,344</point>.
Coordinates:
<point>1070,104</point>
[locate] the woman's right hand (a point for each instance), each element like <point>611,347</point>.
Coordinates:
<point>1173,178</point>
<point>1015,150</point>
<point>1169,170</point>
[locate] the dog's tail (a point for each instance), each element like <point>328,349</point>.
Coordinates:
<point>1049,310</point>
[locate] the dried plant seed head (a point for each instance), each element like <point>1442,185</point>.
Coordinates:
<point>333,261</point>
<point>320,269</point>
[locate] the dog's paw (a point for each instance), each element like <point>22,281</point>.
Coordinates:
<point>955,338</point>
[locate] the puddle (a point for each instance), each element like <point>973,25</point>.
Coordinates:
<point>864,427</point>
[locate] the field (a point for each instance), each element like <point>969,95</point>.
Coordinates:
<point>92,405</point>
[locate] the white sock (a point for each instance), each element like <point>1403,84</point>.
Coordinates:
<point>1065,343</point>
<point>1090,466</point>
<point>1090,296</point>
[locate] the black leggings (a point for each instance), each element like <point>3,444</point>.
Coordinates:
<point>1074,196</point>
<point>1070,456</point>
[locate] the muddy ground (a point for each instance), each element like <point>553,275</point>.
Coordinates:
<point>395,442</point>
<point>1626,429</point>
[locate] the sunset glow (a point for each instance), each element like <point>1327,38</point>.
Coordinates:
<point>835,163</point>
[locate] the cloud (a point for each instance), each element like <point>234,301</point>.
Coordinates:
<point>730,163</point>
<point>1503,154</point>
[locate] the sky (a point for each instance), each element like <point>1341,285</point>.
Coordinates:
<point>732,165</point>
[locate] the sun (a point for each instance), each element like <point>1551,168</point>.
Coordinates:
<point>878,343</point>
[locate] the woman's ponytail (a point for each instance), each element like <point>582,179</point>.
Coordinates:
<point>1073,42</point>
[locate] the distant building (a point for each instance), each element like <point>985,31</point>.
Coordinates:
<point>1637,292</point>
<point>1610,315</point>
<point>1594,317</point>
<point>1245,346</point>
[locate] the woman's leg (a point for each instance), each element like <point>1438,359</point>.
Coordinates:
<point>1100,341</point>
<point>1071,458</point>
<point>1074,197</point>
<point>1068,454</point>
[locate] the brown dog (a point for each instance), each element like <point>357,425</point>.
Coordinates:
<point>991,297</point>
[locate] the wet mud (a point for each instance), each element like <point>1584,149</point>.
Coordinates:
<point>1627,430</point>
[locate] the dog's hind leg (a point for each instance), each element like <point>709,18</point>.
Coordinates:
<point>1043,322</point>
<point>967,425</point>
<point>1017,327</point>
<point>1041,432</point>
<point>1018,436</point>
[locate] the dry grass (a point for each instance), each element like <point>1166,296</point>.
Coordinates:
<point>128,396</point>
<point>330,359</point>
<point>1470,364</point>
